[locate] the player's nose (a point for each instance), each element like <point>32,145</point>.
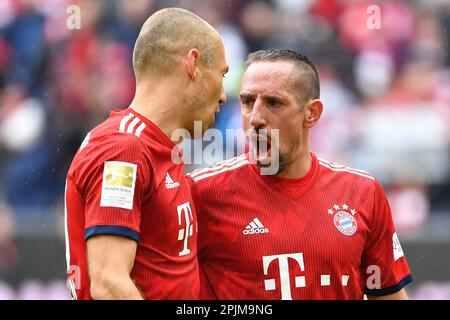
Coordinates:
<point>223,97</point>
<point>257,118</point>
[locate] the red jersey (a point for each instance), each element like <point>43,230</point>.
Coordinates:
<point>123,182</point>
<point>328,235</point>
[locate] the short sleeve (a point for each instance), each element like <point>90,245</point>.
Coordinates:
<point>114,182</point>
<point>384,264</point>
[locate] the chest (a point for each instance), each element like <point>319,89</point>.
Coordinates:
<point>168,213</point>
<point>326,232</point>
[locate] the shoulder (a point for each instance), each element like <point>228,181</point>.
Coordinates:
<point>220,171</point>
<point>121,133</point>
<point>340,171</point>
<point>358,180</point>
<point>110,146</point>
<point>122,125</point>
<point>105,143</point>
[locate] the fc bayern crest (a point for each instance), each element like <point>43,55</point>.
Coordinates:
<point>345,223</point>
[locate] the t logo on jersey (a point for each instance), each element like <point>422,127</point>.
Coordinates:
<point>185,233</point>
<point>269,284</point>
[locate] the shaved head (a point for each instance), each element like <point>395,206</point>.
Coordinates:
<point>167,36</point>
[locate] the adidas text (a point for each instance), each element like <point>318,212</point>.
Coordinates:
<point>255,231</point>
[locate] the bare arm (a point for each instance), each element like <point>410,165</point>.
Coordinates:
<point>399,295</point>
<point>110,261</point>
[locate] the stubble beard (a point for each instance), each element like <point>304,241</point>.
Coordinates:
<point>285,159</point>
<point>197,110</point>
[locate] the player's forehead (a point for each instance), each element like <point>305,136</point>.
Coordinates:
<point>264,77</point>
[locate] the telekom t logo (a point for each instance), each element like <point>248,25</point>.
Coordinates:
<point>269,284</point>
<point>185,233</point>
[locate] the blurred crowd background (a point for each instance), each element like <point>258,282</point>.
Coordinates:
<point>386,93</point>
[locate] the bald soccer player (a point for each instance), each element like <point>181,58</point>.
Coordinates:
<point>131,226</point>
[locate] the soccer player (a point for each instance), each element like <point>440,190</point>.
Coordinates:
<point>131,228</point>
<point>313,230</point>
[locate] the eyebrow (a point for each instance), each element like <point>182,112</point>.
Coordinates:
<point>273,96</point>
<point>245,95</point>
<point>264,96</point>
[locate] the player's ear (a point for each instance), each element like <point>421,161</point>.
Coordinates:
<point>193,59</point>
<point>313,112</point>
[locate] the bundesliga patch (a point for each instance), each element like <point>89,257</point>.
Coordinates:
<point>344,219</point>
<point>119,179</point>
<point>398,251</point>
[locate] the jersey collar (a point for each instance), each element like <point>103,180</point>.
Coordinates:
<point>293,188</point>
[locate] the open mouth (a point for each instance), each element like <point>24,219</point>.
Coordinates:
<point>260,147</point>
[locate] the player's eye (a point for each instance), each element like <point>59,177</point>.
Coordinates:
<point>272,102</point>
<point>246,103</point>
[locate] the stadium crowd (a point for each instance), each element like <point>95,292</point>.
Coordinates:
<point>386,92</point>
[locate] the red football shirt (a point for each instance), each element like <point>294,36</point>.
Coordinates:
<point>123,182</point>
<point>328,235</point>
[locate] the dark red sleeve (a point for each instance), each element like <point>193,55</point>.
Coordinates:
<point>384,264</point>
<point>114,182</point>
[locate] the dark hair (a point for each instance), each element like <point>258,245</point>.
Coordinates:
<point>300,60</point>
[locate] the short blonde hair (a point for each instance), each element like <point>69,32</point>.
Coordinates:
<point>166,36</point>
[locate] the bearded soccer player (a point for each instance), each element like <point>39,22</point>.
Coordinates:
<point>314,229</point>
<point>131,227</point>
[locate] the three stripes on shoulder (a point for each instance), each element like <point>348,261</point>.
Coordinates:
<point>240,161</point>
<point>341,168</point>
<point>219,168</point>
<point>132,124</point>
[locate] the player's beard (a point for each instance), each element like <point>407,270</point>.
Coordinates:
<point>199,112</point>
<point>285,158</point>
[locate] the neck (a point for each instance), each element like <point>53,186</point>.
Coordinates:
<point>158,104</point>
<point>301,162</point>
<point>298,168</point>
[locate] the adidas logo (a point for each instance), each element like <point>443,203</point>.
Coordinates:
<point>255,227</point>
<point>170,184</point>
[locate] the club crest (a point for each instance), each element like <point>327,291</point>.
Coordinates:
<point>344,219</point>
